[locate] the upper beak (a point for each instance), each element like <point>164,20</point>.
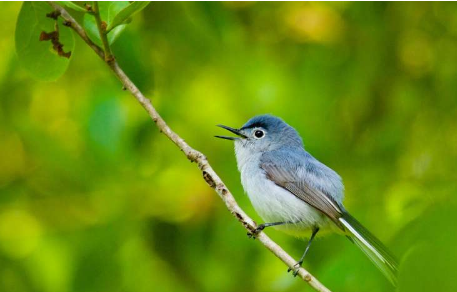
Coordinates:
<point>234,131</point>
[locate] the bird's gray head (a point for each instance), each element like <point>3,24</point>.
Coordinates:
<point>263,133</point>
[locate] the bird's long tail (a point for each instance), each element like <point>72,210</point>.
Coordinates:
<point>371,246</point>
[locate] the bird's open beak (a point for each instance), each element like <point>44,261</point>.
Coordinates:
<point>234,131</point>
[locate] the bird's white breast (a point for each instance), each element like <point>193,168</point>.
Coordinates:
<point>275,204</point>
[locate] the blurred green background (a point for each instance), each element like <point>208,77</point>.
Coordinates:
<point>94,198</point>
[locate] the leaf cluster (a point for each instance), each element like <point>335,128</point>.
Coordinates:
<point>44,44</point>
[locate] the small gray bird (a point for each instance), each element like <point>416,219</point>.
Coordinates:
<point>296,193</point>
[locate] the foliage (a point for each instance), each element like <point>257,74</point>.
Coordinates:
<point>126,13</point>
<point>108,11</point>
<point>93,198</point>
<point>36,55</point>
<point>41,58</point>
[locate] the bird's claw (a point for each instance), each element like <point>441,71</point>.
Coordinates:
<point>296,268</point>
<point>256,231</point>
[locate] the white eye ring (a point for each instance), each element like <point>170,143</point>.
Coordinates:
<point>259,134</point>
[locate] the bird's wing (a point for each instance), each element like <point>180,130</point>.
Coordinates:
<point>312,182</point>
<point>291,175</point>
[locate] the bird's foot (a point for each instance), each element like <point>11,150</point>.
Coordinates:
<point>296,268</point>
<point>253,234</point>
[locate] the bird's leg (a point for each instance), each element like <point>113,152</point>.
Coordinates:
<point>261,227</point>
<point>300,262</point>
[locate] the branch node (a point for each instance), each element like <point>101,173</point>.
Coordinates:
<point>103,26</point>
<point>89,8</point>
<point>110,59</point>
<point>54,15</point>
<point>209,180</point>
<point>245,224</point>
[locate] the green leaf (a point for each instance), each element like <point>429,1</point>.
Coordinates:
<point>127,12</point>
<point>39,57</point>
<point>72,5</point>
<point>108,10</point>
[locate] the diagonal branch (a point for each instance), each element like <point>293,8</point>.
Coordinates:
<point>193,155</point>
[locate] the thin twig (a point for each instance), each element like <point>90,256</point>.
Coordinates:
<point>103,34</point>
<point>193,155</point>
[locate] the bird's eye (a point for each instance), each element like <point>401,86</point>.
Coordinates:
<point>259,134</point>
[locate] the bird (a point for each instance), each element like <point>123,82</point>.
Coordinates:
<point>294,192</point>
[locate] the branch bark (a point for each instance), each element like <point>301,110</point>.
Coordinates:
<point>193,155</point>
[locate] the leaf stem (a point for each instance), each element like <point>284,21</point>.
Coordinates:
<point>103,33</point>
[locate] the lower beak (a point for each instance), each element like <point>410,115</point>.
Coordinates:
<point>234,131</point>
